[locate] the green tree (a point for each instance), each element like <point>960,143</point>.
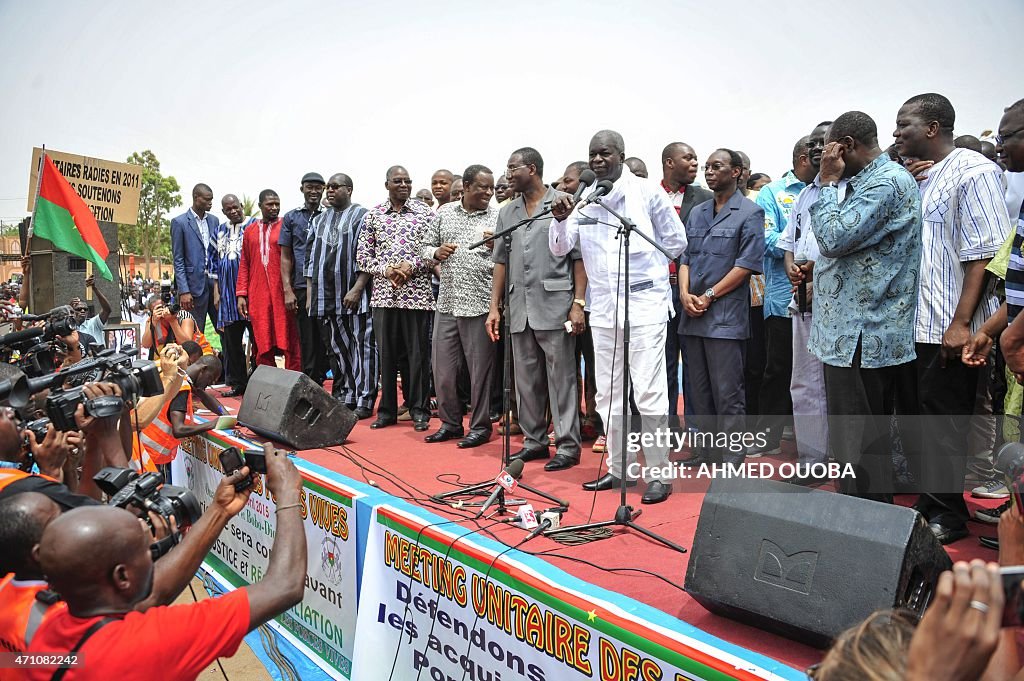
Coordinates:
<point>249,206</point>
<point>151,235</point>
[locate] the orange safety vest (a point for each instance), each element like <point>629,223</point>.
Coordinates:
<point>20,616</point>
<point>156,444</point>
<point>12,475</point>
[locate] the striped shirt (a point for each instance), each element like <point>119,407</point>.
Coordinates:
<point>1015,273</point>
<point>331,260</point>
<point>964,220</point>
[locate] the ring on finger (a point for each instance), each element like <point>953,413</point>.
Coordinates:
<point>979,606</point>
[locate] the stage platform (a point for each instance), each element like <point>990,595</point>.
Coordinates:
<point>397,461</point>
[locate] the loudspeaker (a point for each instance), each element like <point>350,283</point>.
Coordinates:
<point>287,406</point>
<point>808,564</point>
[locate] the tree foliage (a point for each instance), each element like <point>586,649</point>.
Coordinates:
<point>151,236</point>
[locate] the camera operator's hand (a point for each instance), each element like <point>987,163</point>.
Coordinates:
<point>1011,537</point>
<point>87,423</point>
<point>230,500</point>
<point>158,525</point>
<point>172,358</point>
<point>51,452</point>
<point>283,478</point>
<point>960,630</point>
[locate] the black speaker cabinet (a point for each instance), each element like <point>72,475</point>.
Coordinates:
<point>808,564</point>
<point>287,406</point>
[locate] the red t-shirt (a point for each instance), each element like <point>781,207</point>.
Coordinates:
<point>167,642</point>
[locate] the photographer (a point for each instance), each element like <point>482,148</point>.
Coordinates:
<point>91,326</point>
<point>163,327</point>
<point>98,559</point>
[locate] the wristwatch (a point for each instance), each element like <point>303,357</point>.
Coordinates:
<point>710,293</point>
<point>582,302</point>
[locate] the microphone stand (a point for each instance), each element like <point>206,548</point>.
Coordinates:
<point>506,397</point>
<point>625,515</point>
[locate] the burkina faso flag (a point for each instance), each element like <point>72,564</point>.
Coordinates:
<point>62,217</point>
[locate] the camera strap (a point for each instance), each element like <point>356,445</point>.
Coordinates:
<point>96,626</point>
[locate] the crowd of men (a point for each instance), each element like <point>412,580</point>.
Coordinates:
<point>853,285</point>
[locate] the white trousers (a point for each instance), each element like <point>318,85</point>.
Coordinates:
<point>650,389</point>
<point>807,388</point>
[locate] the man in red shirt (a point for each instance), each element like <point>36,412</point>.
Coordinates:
<point>98,559</point>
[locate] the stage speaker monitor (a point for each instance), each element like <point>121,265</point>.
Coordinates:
<point>288,407</point>
<point>808,564</point>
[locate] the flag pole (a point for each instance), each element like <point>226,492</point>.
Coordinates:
<point>32,222</point>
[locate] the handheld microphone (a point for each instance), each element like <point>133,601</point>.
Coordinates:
<point>801,289</point>
<point>587,177</point>
<point>505,482</point>
<point>548,521</point>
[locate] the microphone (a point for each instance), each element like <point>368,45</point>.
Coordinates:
<point>20,336</point>
<point>603,187</point>
<point>587,177</point>
<point>801,288</point>
<point>505,482</point>
<point>548,521</point>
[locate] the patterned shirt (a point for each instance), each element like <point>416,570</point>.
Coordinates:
<point>777,199</point>
<point>227,242</point>
<point>294,227</point>
<point>866,277</point>
<point>331,260</point>
<point>389,236</point>
<point>965,219</point>
<point>467,275</point>
<point>1015,272</point>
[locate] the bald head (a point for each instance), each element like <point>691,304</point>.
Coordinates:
<point>97,557</point>
<point>23,517</point>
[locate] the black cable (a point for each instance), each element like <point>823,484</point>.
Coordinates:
<point>550,554</point>
<point>487,576</point>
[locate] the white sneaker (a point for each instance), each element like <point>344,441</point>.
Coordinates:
<point>991,515</point>
<point>993,489</point>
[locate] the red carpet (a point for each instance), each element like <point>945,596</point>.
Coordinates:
<point>399,453</point>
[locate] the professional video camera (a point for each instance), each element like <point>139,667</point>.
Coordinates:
<point>147,492</point>
<point>38,357</point>
<point>136,378</point>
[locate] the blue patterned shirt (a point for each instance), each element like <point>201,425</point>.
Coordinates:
<point>777,199</point>
<point>866,280</point>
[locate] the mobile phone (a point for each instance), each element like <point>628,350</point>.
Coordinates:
<point>231,460</point>
<point>256,460</point>
<point>1013,599</point>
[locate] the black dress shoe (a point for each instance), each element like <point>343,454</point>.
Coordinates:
<point>989,542</point>
<point>362,413</point>
<point>561,462</point>
<point>656,492</point>
<point>696,461</point>
<point>382,423</point>
<point>606,481</point>
<point>495,416</point>
<point>235,392</point>
<point>420,426</point>
<point>474,440</point>
<point>443,434</point>
<point>946,532</point>
<point>525,454</point>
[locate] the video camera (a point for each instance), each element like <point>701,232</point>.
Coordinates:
<point>136,378</point>
<point>36,346</point>
<point>147,492</point>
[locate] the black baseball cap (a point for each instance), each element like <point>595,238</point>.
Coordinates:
<point>313,177</point>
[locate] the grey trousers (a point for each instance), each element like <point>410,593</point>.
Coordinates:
<point>545,371</point>
<point>807,388</point>
<point>455,338</point>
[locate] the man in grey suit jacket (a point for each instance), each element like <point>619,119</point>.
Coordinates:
<point>546,294</point>
<point>678,173</point>
<point>192,243</point>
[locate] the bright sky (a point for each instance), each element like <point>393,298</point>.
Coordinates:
<point>250,95</point>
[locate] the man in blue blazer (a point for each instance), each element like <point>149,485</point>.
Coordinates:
<point>192,243</point>
<point>726,245</point>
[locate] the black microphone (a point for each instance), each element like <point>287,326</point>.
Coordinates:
<point>515,471</point>
<point>586,178</point>
<point>546,523</point>
<point>603,187</point>
<point>801,288</point>
<point>19,336</point>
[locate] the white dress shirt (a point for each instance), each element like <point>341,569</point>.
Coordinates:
<point>645,203</point>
